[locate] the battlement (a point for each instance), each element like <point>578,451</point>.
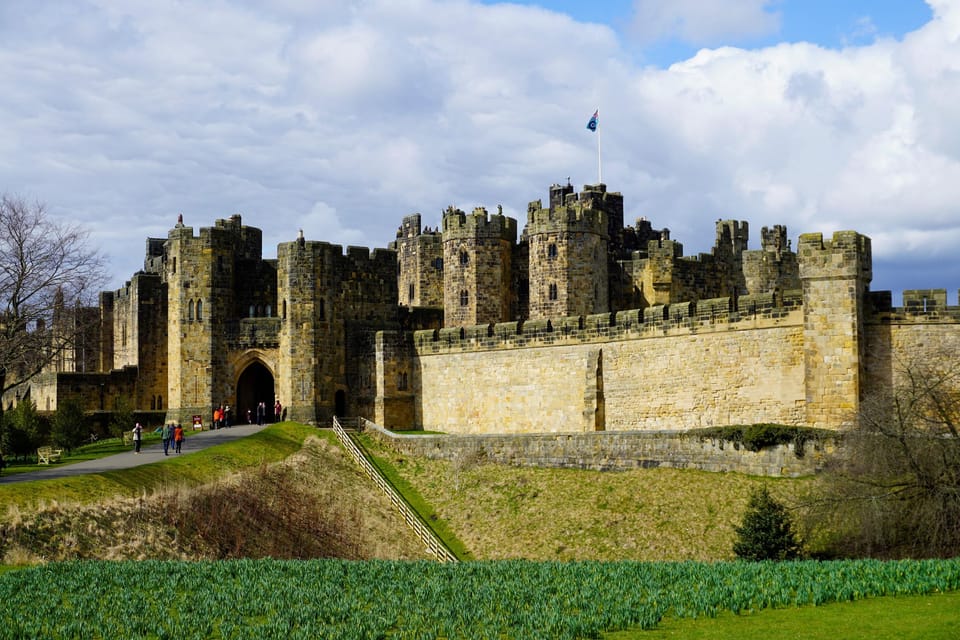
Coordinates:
<point>572,216</point>
<point>847,255</point>
<point>359,257</point>
<point>411,227</point>
<point>244,243</point>
<point>774,239</point>
<point>732,236</point>
<point>594,210</point>
<point>920,306</point>
<point>479,224</point>
<point>714,315</point>
<point>154,255</point>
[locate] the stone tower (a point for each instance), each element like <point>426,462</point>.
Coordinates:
<point>568,251</point>
<point>329,304</point>
<point>836,276</point>
<point>209,288</point>
<point>477,275</point>
<point>419,264</point>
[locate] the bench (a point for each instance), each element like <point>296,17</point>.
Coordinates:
<point>46,455</point>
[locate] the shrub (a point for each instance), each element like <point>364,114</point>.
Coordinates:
<point>767,530</point>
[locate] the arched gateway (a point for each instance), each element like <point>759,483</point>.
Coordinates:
<point>254,386</point>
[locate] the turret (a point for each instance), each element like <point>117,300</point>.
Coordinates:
<point>477,254</point>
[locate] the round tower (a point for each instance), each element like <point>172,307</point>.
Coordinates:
<point>568,244</point>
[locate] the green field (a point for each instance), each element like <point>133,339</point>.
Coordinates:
<point>386,599</point>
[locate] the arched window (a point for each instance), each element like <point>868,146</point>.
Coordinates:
<point>199,310</point>
<point>190,311</point>
<point>269,311</point>
<point>464,298</point>
<point>159,403</point>
<point>153,403</point>
<point>464,257</point>
<point>553,292</point>
<point>412,289</point>
<point>552,250</point>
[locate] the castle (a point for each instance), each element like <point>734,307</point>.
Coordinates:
<point>578,323</point>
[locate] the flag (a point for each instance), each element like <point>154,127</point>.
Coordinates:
<point>592,125</point>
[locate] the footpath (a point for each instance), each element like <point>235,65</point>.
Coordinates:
<point>196,441</point>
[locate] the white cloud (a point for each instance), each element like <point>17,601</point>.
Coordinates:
<point>343,118</point>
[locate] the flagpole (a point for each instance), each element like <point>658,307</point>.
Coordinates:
<point>599,165</point>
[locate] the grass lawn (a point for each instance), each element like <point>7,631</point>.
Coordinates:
<point>929,617</point>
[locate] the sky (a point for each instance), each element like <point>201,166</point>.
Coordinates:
<point>339,118</point>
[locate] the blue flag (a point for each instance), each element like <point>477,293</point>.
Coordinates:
<point>592,125</point>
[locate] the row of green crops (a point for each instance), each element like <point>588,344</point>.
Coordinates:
<point>332,598</point>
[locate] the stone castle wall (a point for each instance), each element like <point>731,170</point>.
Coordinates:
<point>667,372</point>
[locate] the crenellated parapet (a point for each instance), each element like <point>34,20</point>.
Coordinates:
<point>480,224</point>
<point>682,318</point>
<point>847,255</point>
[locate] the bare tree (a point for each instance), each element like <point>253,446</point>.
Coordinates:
<point>48,273</point>
<point>895,491</point>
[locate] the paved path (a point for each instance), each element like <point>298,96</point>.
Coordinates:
<point>196,441</point>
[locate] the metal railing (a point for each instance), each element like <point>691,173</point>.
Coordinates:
<point>434,544</point>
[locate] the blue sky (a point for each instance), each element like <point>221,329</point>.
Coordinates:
<point>341,116</point>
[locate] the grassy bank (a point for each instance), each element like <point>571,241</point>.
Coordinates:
<point>270,445</point>
<point>503,512</point>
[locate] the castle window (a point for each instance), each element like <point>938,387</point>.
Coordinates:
<point>464,257</point>
<point>401,382</point>
<point>552,250</point>
<point>323,310</point>
<point>174,263</point>
<point>252,311</point>
<point>159,403</point>
<point>190,311</point>
<point>283,310</point>
<point>464,298</point>
<point>412,289</point>
<point>269,311</point>
<point>553,292</point>
<point>153,403</point>
<point>438,264</point>
<point>199,310</point>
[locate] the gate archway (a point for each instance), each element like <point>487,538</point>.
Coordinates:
<point>254,386</point>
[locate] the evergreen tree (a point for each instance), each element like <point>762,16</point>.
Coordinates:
<point>69,429</point>
<point>767,530</point>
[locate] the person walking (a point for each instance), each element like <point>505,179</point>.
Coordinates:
<point>166,434</point>
<point>178,436</point>
<point>277,411</point>
<point>137,436</point>
<point>261,411</point>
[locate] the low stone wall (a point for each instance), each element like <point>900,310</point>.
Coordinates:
<point>614,451</point>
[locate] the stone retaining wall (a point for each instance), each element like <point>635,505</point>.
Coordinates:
<point>611,451</point>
